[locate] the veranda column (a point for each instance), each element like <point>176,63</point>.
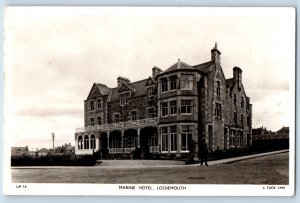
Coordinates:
<point>107,139</point>
<point>122,139</point>
<point>138,137</point>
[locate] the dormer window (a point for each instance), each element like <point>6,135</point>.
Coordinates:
<point>122,100</point>
<point>150,92</point>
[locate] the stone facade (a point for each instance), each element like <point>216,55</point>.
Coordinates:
<point>169,113</point>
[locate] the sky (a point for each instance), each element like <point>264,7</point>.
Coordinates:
<point>54,55</point>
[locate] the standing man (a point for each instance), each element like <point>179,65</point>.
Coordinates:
<point>204,151</point>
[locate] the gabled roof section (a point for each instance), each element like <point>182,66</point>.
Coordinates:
<point>149,82</point>
<point>124,88</point>
<point>179,65</point>
<point>203,67</point>
<point>103,89</point>
<point>98,90</point>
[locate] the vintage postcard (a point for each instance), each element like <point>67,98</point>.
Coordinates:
<point>155,101</point>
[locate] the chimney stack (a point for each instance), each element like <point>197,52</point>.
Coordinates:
<point>121,80</point>
<point>237,75</point>
<point>216,55</point>
<point>155,71</point>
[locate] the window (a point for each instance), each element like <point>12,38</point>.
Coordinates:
<point>133,115</point>
<point>164,85</point>
<point>248,121</point>
<point>218,89</point>
<point>122,100</point>
<point>173,134</point>
<point>92,107</point>
<point>99,120</point>
<point>117,118</point>
<point>150,94</point>
<point>241,139</point>
<point>173,81</point>
<point>164,108</point>
<point>86,142</point>
<point>99,106</point>
<point>234,99</point>
<point>235,118</point>
<point>218,110</point>
<point>242,102</point>
<point>173,107</point>
<point>164,139</point>
<point>186,82</point>
<point>92,120</point>
<point>186,106</point>
<point>242,120</point>
<point>80,144</point>
<point>186,136</point>
<point>232,139</point>
<point>151,113</point>
<point>93,142</point>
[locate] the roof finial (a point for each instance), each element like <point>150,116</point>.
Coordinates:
<point>178,63</point>
<point>216,45</point>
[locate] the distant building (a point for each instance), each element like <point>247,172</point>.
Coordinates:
<point>263,138</point>
<point>169,112</point>
<point>42,152</point>
<point>20,151</point>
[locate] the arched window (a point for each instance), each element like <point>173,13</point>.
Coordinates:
<point>93,141</point>
<point>80,142</point>
<point>86,142</point>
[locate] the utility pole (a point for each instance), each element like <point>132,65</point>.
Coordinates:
<point>53,140</point>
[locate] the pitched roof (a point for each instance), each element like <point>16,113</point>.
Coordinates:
<point>138,89</point>
<point>178,65</point>
<point>203,67</point>
<point>103,88</point>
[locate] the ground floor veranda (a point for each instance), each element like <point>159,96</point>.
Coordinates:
<point>178,139</point>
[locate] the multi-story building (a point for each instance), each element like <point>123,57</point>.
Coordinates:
<point>169,112</point>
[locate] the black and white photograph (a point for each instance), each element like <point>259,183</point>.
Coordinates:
<point>159,101</point>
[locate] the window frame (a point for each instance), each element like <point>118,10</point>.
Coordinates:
<point>86,142</point>
<point>92,106</point>
<point>115,118</point>
<point>92,121</point>
<point>186,107</point>
<point>187,135</point>
<point>164,85</point>
<point>164,139</point>
<point>173,108</point>
<point>164,109</point>
<point>173,82</point>
<point>93,141</point>
<point>173,138</point>
<point>132,116</point>
<point>189,80</point>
